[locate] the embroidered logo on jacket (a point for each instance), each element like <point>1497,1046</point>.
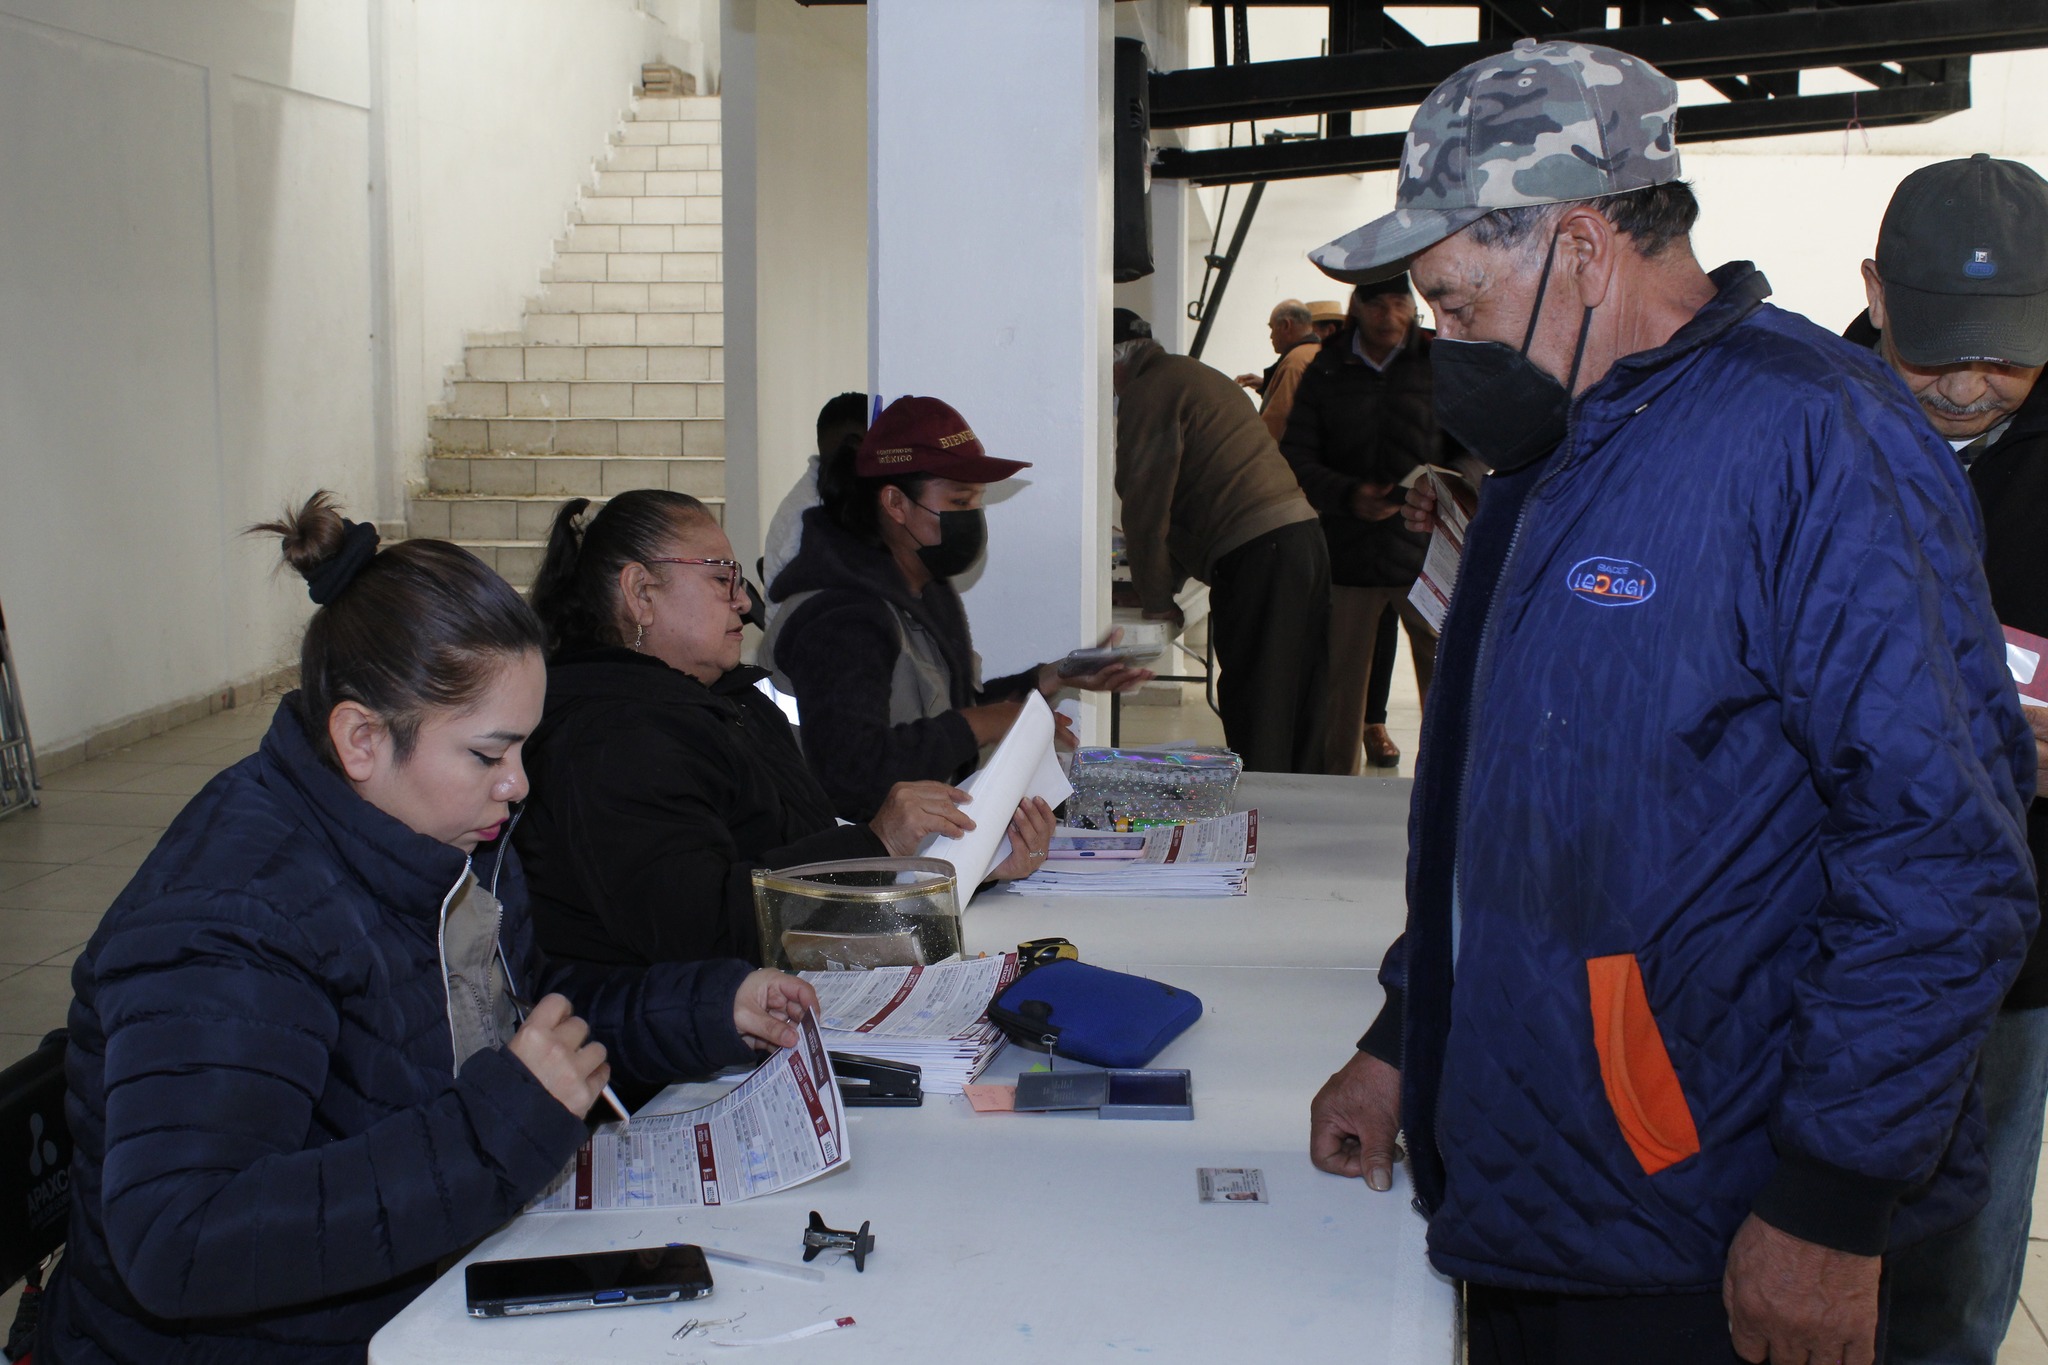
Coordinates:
<point>1611,582</point>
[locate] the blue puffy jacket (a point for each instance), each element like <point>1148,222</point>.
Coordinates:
<point>273,1147</point>
<point>1717,862</point>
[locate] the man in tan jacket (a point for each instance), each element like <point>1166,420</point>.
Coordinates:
<point>1291,328</point>
<point>1207,495</point>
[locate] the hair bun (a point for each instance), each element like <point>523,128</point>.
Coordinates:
<point>322,546</point>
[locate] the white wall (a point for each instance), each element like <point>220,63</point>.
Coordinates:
<point>243,238</point>
<point>989,284</point>
<point>1804,208</point>
<point>796,241</point>
<point>184,321</point>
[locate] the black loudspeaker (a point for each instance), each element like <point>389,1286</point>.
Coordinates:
<point>1131,242</point>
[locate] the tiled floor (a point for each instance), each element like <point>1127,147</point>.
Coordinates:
<point>61,865</point>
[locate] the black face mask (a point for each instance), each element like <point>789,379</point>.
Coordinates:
<point>1495,401</point>
<point>962,537</point>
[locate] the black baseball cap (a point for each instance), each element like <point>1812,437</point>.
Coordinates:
<point>1126,325</point>
<point>1963,253</point>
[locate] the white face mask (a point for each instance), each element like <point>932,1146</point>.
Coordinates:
<point>1124,350</point>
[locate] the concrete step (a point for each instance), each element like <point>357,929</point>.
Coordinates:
<point>461,477</point>
<point>667,107</point>
<point>604,239</point>
<point>680,266</point>
<point>687,156</point>
<point>481,517</point>
<point>633,296</point>
<point>663,364</point>
<point>572,399</point>
<point>603,437</point>
<point>656,132</point>
<point>656,184</point>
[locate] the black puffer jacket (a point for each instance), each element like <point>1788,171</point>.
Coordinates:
<point>654,799</point>
<point>839,648</point>
<point>1352,425</point>
<point>275,1149</point>
<point>2011,483</point>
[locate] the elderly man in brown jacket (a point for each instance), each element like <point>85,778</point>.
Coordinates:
<point>1207,495</point>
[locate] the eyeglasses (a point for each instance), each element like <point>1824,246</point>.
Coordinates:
<point>732,578</point>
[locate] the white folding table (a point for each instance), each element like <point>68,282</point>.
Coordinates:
<point>1053,1238</point>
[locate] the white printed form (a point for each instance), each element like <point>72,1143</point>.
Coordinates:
<point>779,1127</point>
<point>944,1001</point>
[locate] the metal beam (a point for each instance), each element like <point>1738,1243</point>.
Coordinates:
<point>1696,123</point>
<point>1899,31</point>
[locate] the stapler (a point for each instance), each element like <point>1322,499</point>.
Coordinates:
<point>872,1081</point>
<point>818,1237</point>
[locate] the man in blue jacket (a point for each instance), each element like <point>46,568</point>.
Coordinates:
<point>1717,869</point>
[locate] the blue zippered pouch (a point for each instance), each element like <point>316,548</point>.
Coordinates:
<point>1094,1015</point>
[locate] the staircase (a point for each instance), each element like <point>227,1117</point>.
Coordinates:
<point>615,380</point>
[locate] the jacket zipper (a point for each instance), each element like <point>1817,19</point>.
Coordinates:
<point>441,952</point>
<point>1465,761</point>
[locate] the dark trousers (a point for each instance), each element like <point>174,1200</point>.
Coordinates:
<point>1524,1327</point>
<point>1269,619</point>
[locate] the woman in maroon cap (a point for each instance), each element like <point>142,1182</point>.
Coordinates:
<point>871,634</point>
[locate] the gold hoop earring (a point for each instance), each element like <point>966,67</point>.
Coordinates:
<point>639,634</point>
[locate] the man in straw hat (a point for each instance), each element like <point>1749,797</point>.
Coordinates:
<point>1719,870</point>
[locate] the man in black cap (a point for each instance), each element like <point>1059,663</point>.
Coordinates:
<point>1959,309</point>
<point>1363,419</point>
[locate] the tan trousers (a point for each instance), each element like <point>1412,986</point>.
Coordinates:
<point>1354,625</point>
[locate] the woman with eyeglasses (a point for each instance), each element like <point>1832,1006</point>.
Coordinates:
<point>870,633</point>
<point>662,775</point>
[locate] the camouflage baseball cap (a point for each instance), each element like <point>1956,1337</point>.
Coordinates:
<point>1545,123</point>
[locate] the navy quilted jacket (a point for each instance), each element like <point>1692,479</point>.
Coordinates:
<point>273,1148</point>
<point>1717,865</point>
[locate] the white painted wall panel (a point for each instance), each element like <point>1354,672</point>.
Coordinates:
<point>110,524</point>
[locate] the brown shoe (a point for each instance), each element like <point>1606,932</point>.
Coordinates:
<point>1380,749</point>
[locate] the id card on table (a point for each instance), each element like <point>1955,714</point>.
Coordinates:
<point>1230,1184</point>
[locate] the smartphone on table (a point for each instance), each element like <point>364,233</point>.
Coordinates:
<point>597,1279</point>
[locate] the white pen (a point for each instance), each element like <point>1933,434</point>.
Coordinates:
<point>793,1271</point>
<point>611,1098</point>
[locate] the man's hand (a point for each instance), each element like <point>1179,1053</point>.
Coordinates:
<point>555,1046</point>
<point>1353,1120</point>
<point>1418,513</point>
<point>2037,719</point>
<point>1255,382</point>
<point>1376,501</point>
<point>1790,1301</point>
<point>1030,837</point>
<point>769,1006</point>
<point>913,810</point>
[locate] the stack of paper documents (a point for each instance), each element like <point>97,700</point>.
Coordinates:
<point>935,1017</point>
<point>1199,858</point>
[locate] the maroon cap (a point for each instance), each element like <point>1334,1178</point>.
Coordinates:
<point>924,436</point>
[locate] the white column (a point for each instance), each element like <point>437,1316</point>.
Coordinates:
<point>398,367</point>
<point>988,212</point>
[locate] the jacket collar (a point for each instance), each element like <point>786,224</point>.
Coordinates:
<point>615,671</point>
<point>1739,290</point>
<point>403,869</point>
<point>1341,349</point>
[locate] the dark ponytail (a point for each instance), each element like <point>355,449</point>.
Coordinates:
<point>852,501</point>
<point>576,591</point>
<point>421,625</point>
